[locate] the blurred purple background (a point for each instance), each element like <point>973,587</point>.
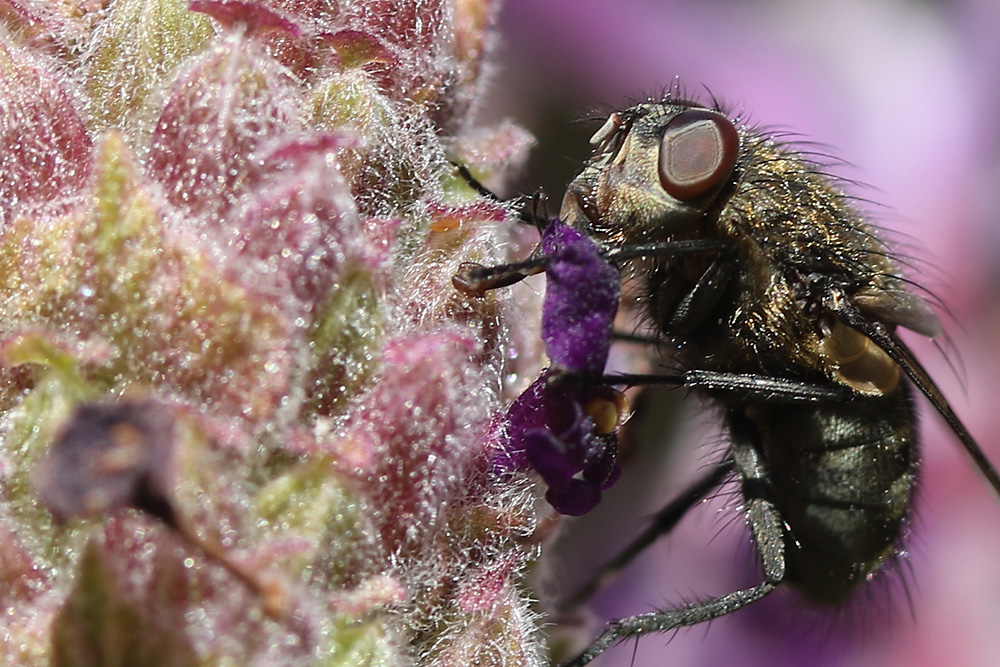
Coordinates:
<point>909,93</point>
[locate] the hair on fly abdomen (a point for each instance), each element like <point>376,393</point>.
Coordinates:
<point>781,305</point>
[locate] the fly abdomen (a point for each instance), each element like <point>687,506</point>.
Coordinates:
<point>841,476</point>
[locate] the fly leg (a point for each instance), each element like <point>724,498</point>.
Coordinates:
<point>767,529</point>
<point>662,523</point>
<point>476,279</point>
<point>743,386</point>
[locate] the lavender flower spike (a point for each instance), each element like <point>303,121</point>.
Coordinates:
<point>241,419</point>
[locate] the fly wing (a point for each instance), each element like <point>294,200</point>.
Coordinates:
<point>899,306</point>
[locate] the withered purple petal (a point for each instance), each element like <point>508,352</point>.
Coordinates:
<point>110,455</point>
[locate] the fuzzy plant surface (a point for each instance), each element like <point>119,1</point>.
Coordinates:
<point>245,418</point>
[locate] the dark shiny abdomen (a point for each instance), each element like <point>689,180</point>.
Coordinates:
<point>841,476</point>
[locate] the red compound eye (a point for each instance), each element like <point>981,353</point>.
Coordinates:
<point>698,150</point>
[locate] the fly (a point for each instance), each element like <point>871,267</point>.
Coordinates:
<point>786,316</point>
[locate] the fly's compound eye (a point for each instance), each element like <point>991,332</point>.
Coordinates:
<point>698,150</point>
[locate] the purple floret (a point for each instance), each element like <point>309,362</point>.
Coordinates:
<point>548,427</point>
<point>581,300</point>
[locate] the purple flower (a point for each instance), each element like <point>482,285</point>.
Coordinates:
<point>564,424</point>
<point>581,300</point>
